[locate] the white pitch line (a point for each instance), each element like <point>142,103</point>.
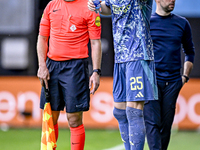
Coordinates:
<point>119,147</point>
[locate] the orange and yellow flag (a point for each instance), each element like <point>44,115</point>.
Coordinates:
<point>48,140</point>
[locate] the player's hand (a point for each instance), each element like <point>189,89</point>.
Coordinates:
<point>94,80</point>
<point>43,75</point>
<point>91,5</point>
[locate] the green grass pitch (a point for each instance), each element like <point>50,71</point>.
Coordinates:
<point>29,139</point>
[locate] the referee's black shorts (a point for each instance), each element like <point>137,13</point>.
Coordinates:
<point>68,85</point>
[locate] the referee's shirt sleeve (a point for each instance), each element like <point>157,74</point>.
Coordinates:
<point>44,29</point>
<point>94,26</point>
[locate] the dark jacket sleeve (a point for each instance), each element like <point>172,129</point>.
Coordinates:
<point>188,46</point>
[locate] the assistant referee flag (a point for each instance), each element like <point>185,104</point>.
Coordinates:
<point>48,140</point>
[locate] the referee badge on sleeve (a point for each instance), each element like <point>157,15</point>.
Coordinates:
<point>98,21</point>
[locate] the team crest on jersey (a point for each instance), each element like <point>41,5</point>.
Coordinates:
<point>98,21</point>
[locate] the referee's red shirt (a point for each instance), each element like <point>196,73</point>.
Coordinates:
<point>70,25</point>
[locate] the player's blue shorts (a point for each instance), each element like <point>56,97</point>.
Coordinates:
<point>135,81</point>
<point>68,85</point>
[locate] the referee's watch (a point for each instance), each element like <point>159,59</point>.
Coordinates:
<point>186,77</point>
<point>98,71</point>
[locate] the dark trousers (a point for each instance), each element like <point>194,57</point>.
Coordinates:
<point>159,115</point>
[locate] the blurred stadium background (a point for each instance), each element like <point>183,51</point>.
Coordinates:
<point>20,88</point>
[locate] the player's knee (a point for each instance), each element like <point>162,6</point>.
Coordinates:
<point>120,115</point>
<point>134,114</point>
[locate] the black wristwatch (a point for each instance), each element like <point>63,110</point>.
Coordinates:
<point>98,71</point>
<point>186,77</point>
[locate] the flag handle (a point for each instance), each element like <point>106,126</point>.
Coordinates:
<point>46,92</point>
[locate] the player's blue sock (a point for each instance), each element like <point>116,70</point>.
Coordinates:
<point>136,128</point>
<point>120,115</point>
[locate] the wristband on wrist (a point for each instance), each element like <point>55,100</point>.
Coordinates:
<point>186,77</point>
<point>98,71</point>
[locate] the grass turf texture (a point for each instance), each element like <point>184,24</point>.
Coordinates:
<point>29,139</point>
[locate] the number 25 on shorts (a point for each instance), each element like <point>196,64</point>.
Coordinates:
<point>136,83</point>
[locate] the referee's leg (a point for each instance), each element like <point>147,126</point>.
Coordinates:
<point>77,130</point>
